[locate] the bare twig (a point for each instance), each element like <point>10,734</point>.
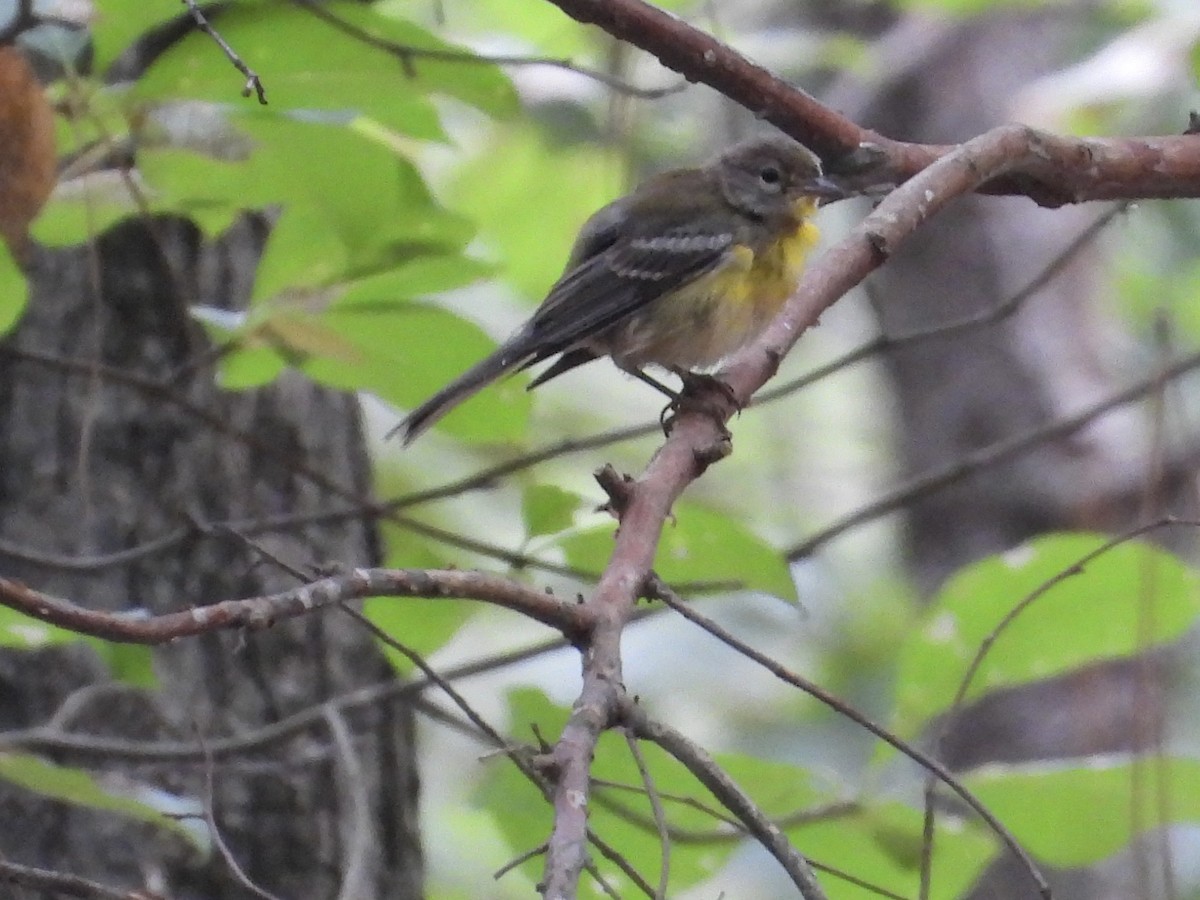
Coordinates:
<point>210,817</point>
<point>618,859</point>
<point>168,393</point>
<point>518,758</point>
<point>484,727</point>
<point>46,737</point>
<point>63,884</point>
<point>357,875</point>
<point>731,829</point>
<point>988,456</point>
<point>818,693</point>
<point>518,860</point>
<point>261,612</point>
<point>707,772</point>
<point>408,54</point>
<point>253,82</point>
<point>660,817</point>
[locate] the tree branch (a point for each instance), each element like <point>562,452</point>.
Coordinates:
<point>708,773</point>
<point>571,619</point>
<point>1075,169</point>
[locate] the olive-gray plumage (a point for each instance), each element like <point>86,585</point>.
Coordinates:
<point>679,273</point>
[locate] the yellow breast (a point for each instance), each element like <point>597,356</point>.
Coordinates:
<point>700,324</point>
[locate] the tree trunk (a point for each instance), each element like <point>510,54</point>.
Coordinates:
<point>115,438</point>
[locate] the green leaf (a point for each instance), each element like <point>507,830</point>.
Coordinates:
<point>547,509</point>
<point>697,545</point>
<point>23,632</point>
<point>129,663</point>
<point>336,172</point>
<point>419,277</point>
<point>303,251</point>
<point>969,7</point>
<point>1130,599</point>
<point>208,191</point>
<point>321,67</point>
<point>423,624</point>
<point>97,202</point>
<point>406,353</point>
<point>1072,814</point>
<point>126,662</point>
<point>116,24</point>
<point>14,290</point>
<point>250,367</point>
<point>77,787</point>
<point>541,26</point>
<point>524,207</point>
<point>881,844</point>
<point>374,201</point>
<point>1148,288</point>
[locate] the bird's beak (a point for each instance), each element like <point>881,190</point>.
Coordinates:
<point>825,189</point>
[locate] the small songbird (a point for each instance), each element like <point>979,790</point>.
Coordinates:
<point>679,273</point>
<point>27,154</point>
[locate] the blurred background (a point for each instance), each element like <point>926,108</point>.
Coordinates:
<point>1012,374</point>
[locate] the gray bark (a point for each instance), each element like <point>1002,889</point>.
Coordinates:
<point>91,466</point>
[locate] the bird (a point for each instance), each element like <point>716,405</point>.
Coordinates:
<point>679,273</point>
<point>28,159</point>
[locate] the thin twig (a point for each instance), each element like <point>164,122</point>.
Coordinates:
<point>485,728</point>
<point>705,769</point>
<point>989,641</point>
<point>733,830</point>
<point>253,83</point>
<point>815,691</point>
<point>261,739</point>
<point>95,370</point>
<point>525,857</point>
<point>210,817</point>
<point>618,859</point>
<point>407,53</point>
<point>988,456</point>
<point>63,884</point>
<point>357,877</point>
<point>494,737</point>
<point>660,817</point>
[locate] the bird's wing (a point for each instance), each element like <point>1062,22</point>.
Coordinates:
<point>632,270</point>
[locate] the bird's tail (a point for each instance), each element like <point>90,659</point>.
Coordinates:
<point>507,357</point>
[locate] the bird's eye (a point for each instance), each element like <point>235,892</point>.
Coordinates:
<point>770,175</point>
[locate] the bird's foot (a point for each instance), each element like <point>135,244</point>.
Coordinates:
<point>704,394</point>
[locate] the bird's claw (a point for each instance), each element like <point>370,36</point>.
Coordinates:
<point>696,397</point>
